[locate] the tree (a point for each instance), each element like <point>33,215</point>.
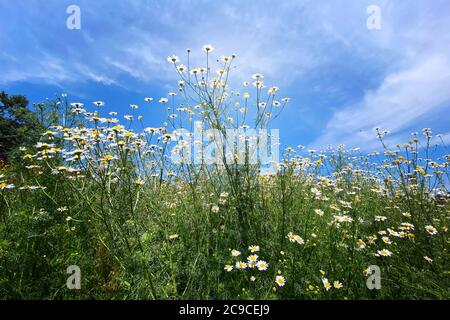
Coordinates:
<point>19,126</point>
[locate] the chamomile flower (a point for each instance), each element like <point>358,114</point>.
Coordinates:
<point>291,237</point>
<point>139,182</point>
<point>208,48</point>
<point>252,258</point>
<point>98,103</point>
<point>225,58</point>
<point>360,244</point>
<point>272,90</point>
<point>235,253</point>
<point>319,212</point>
<point>299,239</point>
<point>228,267</point>
<point>173,236</point>
<point>406,214</point>
<point>384,253</point>
<point>240,265</point>
<point>173,59</point>
<point>326,283</point>
<point>181,68</point>
<point>253,248</point>
<point>262,265</point>
<point>431,230</point>
<point>280,281</point>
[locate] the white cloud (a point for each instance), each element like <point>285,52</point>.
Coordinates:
<point>134,38</point>
<point>401,99</point>
<point>42,68</point>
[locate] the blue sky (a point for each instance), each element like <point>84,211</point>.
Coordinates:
<point>343,79</point>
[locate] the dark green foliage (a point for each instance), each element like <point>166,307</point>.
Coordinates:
<point>19,126</point>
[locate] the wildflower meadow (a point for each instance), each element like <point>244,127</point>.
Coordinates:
<point>213,205</point>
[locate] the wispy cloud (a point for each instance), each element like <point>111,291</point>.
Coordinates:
<point>401,99</point>
<point>415,84</point>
